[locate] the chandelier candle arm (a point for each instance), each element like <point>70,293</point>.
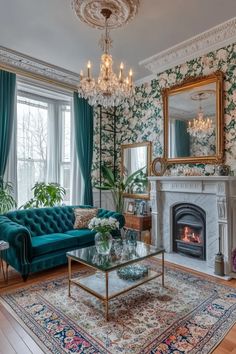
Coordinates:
<point>131,77</point>
<point>121,72</point>
<point>89,68</point>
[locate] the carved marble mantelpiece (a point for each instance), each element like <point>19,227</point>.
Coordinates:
<point>215,194</point>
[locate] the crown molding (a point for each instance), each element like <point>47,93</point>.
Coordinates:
<point>144,80</point>
<point>21,64</point>
<point>213,39</point>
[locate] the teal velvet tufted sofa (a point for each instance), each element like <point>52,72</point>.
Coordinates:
<point>39,238</point>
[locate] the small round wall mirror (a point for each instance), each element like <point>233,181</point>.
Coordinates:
<point>158,166</point>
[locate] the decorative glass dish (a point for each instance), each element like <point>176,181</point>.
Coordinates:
<point>133,272</point>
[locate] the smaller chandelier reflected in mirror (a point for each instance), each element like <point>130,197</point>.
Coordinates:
<point>110,89</point>
<point>201,127</point>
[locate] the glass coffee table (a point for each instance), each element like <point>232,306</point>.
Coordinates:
<point>114,274</point>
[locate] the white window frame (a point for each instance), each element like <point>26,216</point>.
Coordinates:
<point>56,104</point>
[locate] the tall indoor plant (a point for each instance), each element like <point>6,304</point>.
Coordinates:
<point>119,185</point>
<point>7,202</point>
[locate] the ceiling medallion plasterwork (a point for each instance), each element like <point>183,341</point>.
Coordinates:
<point>89,11</point>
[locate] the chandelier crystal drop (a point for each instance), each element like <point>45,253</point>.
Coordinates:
<point>200,127</point>
<point>109,90</point>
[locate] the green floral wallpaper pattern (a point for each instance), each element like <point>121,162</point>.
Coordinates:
<point>142,119</point>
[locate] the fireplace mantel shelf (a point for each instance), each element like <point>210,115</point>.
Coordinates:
<point>192,178</point>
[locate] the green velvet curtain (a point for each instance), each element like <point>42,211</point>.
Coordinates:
<point>182,139</point>
<point>7,107</point>
<point>83,114</point>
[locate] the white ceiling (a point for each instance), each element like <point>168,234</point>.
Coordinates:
<point>50,31</point>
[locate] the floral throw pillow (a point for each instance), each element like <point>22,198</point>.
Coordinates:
<point>83,217</point>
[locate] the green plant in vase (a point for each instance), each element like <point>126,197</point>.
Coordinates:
<point>103,228</point>
<point>7,202</point>
<point>45,195</point>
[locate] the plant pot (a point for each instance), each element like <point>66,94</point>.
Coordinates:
<point>103,243</point>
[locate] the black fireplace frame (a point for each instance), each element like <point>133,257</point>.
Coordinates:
<point>181,247</point>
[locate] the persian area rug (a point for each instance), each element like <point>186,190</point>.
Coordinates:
<point>191,315</point>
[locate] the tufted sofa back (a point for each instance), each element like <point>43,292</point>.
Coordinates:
<point>44,221</point>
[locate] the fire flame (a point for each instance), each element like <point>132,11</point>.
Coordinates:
<point>190,236</point>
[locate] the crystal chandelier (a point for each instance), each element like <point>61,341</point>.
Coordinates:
<point>200,127</point>
<point>109,90</point>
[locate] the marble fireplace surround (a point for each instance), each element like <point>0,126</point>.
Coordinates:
<point>216,195</point>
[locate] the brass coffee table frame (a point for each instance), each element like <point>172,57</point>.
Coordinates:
<point>105,299</point>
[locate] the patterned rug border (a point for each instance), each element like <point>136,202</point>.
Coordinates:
<point>64,277</point>
<point>24,326</point>
<point>195,310</point>
<point>45,349</point>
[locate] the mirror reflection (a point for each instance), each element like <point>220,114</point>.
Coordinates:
<point>136,166</point>
<point>192,122</point>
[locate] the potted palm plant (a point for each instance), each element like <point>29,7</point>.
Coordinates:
<point>7,202</point>
<point>119,185</point>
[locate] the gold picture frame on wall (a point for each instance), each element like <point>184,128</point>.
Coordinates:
<point>186,140</point>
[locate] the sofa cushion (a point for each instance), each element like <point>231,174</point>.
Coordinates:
<point>58,241</point>
<point>83,217</point>
<point>53,242</point>
<point>84,236</point>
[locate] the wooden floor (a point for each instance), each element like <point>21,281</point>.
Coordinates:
<point>14,339</point>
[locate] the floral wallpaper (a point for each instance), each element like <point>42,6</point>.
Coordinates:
<point>203,147</point>
<point>142,119</point>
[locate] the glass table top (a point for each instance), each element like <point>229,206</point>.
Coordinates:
<point>121,254</point>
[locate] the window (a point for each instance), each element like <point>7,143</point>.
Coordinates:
<point>65,163</point>
<point>43,143</point>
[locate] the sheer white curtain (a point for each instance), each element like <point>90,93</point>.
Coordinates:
<point>53,144</point>
<point>139,158</point>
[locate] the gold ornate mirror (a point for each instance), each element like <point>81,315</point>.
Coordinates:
<point>136,159</point>
<point>193,121</point>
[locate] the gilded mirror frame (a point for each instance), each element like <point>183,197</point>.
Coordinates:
<point>190,83</point>
<point>148,144</point>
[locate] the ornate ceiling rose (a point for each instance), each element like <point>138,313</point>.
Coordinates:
<point>89,11</point>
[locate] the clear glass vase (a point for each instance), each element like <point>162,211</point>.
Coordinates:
<point>103,242</point>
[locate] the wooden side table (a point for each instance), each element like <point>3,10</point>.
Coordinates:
<point>3,248</point>
<point>139,223</point>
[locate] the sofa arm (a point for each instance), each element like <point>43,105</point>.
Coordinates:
<point>20,253</point>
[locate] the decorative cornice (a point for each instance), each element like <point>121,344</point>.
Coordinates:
<point>213,39</point>
<point>15,60</point>
<point>145,80</point>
